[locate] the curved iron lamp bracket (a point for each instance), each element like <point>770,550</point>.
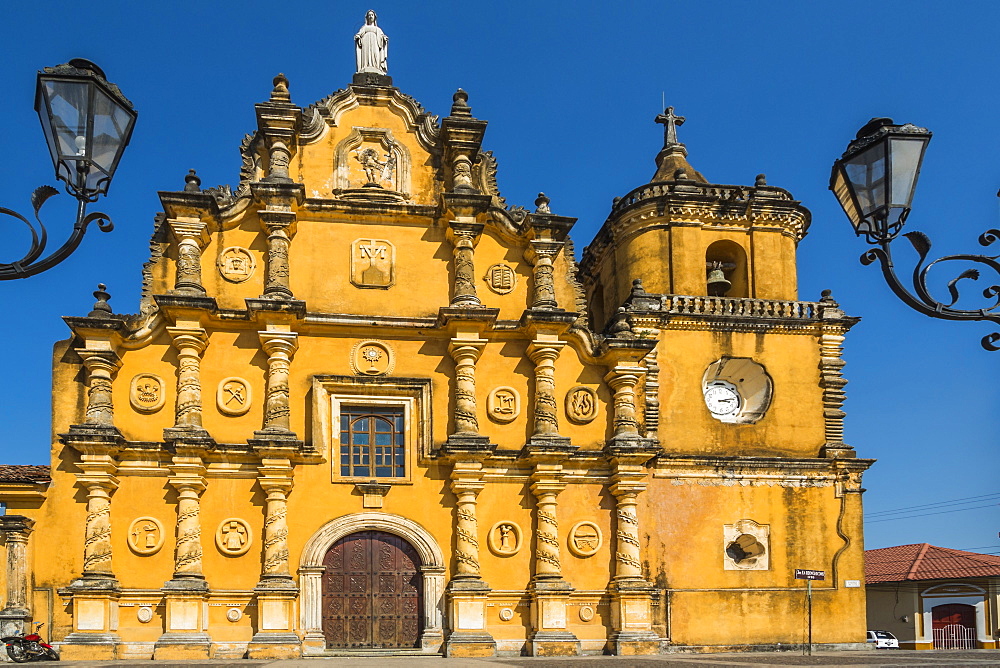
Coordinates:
<point>29,265</point>
<point>920,298</point>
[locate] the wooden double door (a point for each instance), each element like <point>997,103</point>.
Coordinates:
<point>372,593</point>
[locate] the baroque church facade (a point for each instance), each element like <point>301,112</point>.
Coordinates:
<point>366,404</point>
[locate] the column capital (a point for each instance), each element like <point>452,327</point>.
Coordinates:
<point>187,473</point>
<point>279,342</point>
<point>538,249</point>
<point>189,228</point>
<point>547,479</point>
<point>461,347</point>
<point>275,475</point>
<point>104,359</point>
<point>465,232</point>
<point>16,527</point>
<point>545,348</point>
<point>189,337</point>
<point>624,374</point>
<point>467,476</point>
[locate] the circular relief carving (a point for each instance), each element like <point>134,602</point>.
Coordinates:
<point>233,537</point>
<point>146,393</point>
<point>500,278</point>
<point>586,613</point>
<point>585,539</point>
<point>372,358</point>
<point>581,404</point>
<point>234,614</point>
<point>233,397</point>
<point>145,535</point>
<point>506,614</point>
<point>505,539</point>
<point>503,404</point>
<point>236,264</point>
<point>144,614</point>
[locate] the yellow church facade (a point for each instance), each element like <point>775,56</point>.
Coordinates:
<point>367,405</point>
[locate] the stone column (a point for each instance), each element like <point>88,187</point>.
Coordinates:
<point>192,236</point>
<point>467,592</point>
<point>97,532</point>
<point>628,560</point>
<point>623,379</point>
<point>188,553</point>
<point>277,223</point>
<point>16,529</point>
<point>275,478</point>
<point>101,365</point>
<point>464,240</point>
<point>543,352</point>
<point>279,346</point>
<point>540,255</point>
<point>547,559</point>
<point>466,351</point>
<point>190,344</point>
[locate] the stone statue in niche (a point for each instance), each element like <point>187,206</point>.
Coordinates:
<point>376,171</point>
<point>371,46</point>
<point>373,263</point>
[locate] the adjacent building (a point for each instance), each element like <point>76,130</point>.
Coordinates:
<point>367,403</point>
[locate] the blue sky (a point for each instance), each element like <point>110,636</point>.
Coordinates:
<point>570,90</point>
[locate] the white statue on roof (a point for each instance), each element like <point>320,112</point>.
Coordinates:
<point>372,46</point>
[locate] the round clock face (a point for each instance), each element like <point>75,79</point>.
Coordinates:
<point>722,399</point>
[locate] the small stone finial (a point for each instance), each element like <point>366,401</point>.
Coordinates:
<point>542,204</point>
<point>615,201</point>
<point>192,184</point>
<point>827,297</point>
<point>670,122</point>
<point>761,180</point>
<point>101,307</point>
<point>637,288</point>
<point>280,91</point>
<point>680,174</point>
<point>460,104</point>
<point>622,329</point>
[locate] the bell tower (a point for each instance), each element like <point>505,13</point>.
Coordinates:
<point>682,235</point>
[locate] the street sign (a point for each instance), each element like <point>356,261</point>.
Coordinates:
<point>803,574</point>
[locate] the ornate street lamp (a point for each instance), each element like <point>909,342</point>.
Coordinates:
<point>87,124</point>
<point>874,182</point>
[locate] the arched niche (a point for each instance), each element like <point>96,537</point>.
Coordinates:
<point>732,259</point>
<point>311,568</point>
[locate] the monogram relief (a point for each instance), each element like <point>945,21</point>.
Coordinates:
<point>233,397</point>
<point>145,535</point>
<point>236,264</point>
<point>503,404</point>
<point>585,539</point>
<point>233,537</point>
<point>500,278</point>
<point>373,263</point>
<point>372,358</point>
<point>505,539</point>
<point>581,404</point>
<point>146,393</point>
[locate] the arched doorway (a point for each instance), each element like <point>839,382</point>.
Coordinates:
<point>954,626</point>
<point>372,592</point>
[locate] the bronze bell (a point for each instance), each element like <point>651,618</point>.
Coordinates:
<point>718,285</point>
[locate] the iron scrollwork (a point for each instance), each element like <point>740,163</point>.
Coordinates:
<point>30,264</point>
<point>921,300</point>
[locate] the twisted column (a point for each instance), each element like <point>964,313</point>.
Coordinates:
<point>276,481</point>
<point>464,293</point>
<point>628,560</point>
<point>191,236</point>
<point>544,353</point>
<point>101,365</point>
<point>279,346</point>
<point>546,488</point>
<point>466,484</point>
<point>623,380</point>
<point>466,352</point>
<point>97,533</point>
<point>540,255</point>
<point>277,223</point>
<point>187,556</point>
<point>190,344</point>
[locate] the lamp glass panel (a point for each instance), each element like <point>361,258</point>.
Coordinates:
<point>69,102</point>
<point>111,123</point>
<point>906,154</point>
<point>867,173</point>
<point>843,195</point>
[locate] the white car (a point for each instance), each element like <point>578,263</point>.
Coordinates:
<point>883,640</point>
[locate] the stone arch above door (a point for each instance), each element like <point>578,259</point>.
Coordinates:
<point>311,568</point>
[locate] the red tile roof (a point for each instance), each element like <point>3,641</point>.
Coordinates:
<point>24,473</point>
<point>923,561</point>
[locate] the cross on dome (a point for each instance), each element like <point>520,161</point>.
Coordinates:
<point>670,121</point>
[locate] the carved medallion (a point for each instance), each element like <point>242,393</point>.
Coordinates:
<point>144,614</point>
<point>145,536</point>
<point>581,404</point>
<point>233,537</point>
<point>500,278</point>
<point>373,263</point>
<point>236,264</point>
<point>372,358</point>
<point>233,397</point>
<point>503,404</point>
<point>586,613</point>
<point>146,394</point>
<point>585,539</point>
<point>506,614</point>
<point>234,614</point>
<point>505,539</point>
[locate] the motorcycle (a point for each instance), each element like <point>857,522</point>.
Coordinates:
<point>30,647</point>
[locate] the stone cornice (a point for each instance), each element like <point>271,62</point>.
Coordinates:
<point>736,470</point>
